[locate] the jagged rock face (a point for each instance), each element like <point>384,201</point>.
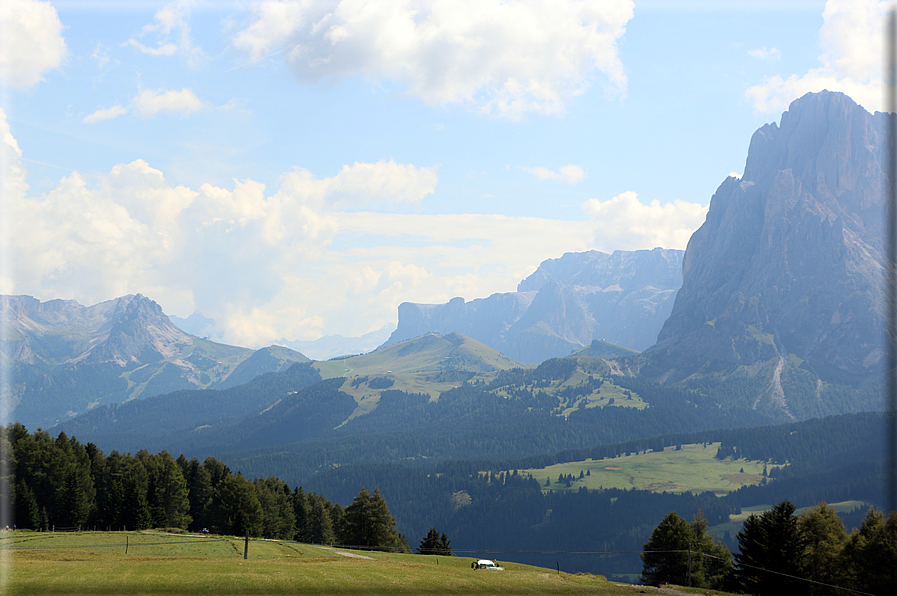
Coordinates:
<point>622,298</point>
<point>138,332</point>
<point>789,258</point>
<point>126,330</point>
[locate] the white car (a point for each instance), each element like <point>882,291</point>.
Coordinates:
<point>487,564</point>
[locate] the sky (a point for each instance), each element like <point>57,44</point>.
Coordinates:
<point>298,168</point>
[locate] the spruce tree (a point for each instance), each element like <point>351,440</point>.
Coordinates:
<point>770,548</point>
<point>663,559</point>
<point>320,526</point>
<point>435,544</point>
<point>824,537</point>
<point>676,551</point>
<point>368,522</point>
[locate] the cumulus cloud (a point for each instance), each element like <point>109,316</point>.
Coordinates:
<point>851,38</point>
<point>149,102</point>
<point>12,185</point>
<point>570,174</point>
<point>31,42</point>
<point>624,222</point>
<point>311,256</point>
<point>259,261</point>
<point>171,28</point>
<point>507,58</point>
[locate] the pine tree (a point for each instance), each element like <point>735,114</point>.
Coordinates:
<point>368,522</point>
<point>301,510</point>
<point>824,538</point>
<point>320,526</point>
<point>435,544</point>
<point>770,542</point>
<point>235,508</point>
<point>869,558</point>
<point>676,551</point>
<point>663,560</point>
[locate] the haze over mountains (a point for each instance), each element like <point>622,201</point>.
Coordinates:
<point>621,298</point>
<point>68,358</point>
<point>779,310</point>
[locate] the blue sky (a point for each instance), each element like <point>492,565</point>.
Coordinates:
<point>293,169</point>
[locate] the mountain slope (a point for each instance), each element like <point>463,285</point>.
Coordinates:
<point>67,358</point>
<point>622,298</point>
<point>785,273</point>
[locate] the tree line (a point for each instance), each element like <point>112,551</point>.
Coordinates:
<point>779,552</point>
<point>61,483</point>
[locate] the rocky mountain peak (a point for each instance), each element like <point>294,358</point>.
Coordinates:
<point>137,331</point>
<point>788,261</point>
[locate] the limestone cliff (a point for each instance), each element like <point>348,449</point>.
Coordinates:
<point>622,298</point>
<point>787,267</point>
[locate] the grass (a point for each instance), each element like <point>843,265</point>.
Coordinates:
<point>156,563</point>
<point>736,521</point>
<point>693,468</point>
<point>429,353</point>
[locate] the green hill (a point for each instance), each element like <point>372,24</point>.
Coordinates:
<point>148,563</point>
<point>603,349</point>
<point>428,353</point>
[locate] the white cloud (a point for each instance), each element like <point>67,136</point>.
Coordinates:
<point>507,58</point>
<point>105,114</point>
<point>152,101</point>
<point>171,26</point>
<point>570,174</point>
<point>851,38</point>
<point>31,42</point>
<point>625,223</point>
<point>258,261</point>
<point>12,185</point>
<point>766,54</point>
<point>149,102</point>
<point>293,261</point>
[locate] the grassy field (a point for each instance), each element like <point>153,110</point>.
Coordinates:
<point>693,468</point>
<point>736,522</point>
<point>156,563</point>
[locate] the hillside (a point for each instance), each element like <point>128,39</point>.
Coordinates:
<point>67,358</point>
<point>193,564</point>
<point>477,400</point>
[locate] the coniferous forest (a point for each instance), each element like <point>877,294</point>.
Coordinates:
<point>61,484</point>
<point>779,552</point>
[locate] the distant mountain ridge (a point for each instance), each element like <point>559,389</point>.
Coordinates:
<point>622,298</point>
<point>63,331</point>
<point>785,275</point>
<point>68,358</point>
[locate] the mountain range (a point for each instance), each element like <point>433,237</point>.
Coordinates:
<point>67,358</point>
<point>777,319</point>
<point>622,298</point>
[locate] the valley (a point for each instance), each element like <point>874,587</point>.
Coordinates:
<point>516,423</point>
